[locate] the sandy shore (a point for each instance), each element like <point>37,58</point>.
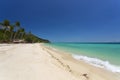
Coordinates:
<point>37,62</point>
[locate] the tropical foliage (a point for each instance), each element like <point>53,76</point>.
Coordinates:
<point>10,33</point>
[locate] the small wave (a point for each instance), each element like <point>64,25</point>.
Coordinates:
<point>98,63</point>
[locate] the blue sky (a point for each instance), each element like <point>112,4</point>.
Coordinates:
<point>66,20</point>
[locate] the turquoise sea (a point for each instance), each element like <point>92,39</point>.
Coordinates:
<point>104,55</point>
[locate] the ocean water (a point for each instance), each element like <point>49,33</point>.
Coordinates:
<point>104,55</point>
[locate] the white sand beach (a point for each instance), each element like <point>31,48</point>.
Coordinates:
<point>38,62</point>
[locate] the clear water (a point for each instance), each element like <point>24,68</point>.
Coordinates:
<point>100,54</point>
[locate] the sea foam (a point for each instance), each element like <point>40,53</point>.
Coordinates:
<point>98,63</point>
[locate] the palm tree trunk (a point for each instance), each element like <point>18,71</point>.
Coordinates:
<point>4,35</point>
<point>15,35</point>
<point>11,38</point>
<point>22,35</point>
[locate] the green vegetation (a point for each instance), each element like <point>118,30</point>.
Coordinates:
<point>10,33</point>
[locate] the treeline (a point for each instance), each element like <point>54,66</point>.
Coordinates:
<point>10,33</point>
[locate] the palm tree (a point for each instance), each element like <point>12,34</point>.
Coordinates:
<point>11,32</point>
<point>6,25</point>
<point>17,23</point>
<point>22,32</point>
<point>17,26</point>
<point>18,33</point>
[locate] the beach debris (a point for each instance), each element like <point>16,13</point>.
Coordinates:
<point>85,75</point>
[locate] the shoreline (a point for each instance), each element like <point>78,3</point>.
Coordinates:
<point>99,70</point>
<point>94,61</point>
<point>39,62</point>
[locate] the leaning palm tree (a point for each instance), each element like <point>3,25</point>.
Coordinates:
<point>17,27</point>
<point>18,33</point>
<point>11,32</point>
<point>22,32</point>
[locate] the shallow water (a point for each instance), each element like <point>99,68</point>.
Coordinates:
<point>99,54</point>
